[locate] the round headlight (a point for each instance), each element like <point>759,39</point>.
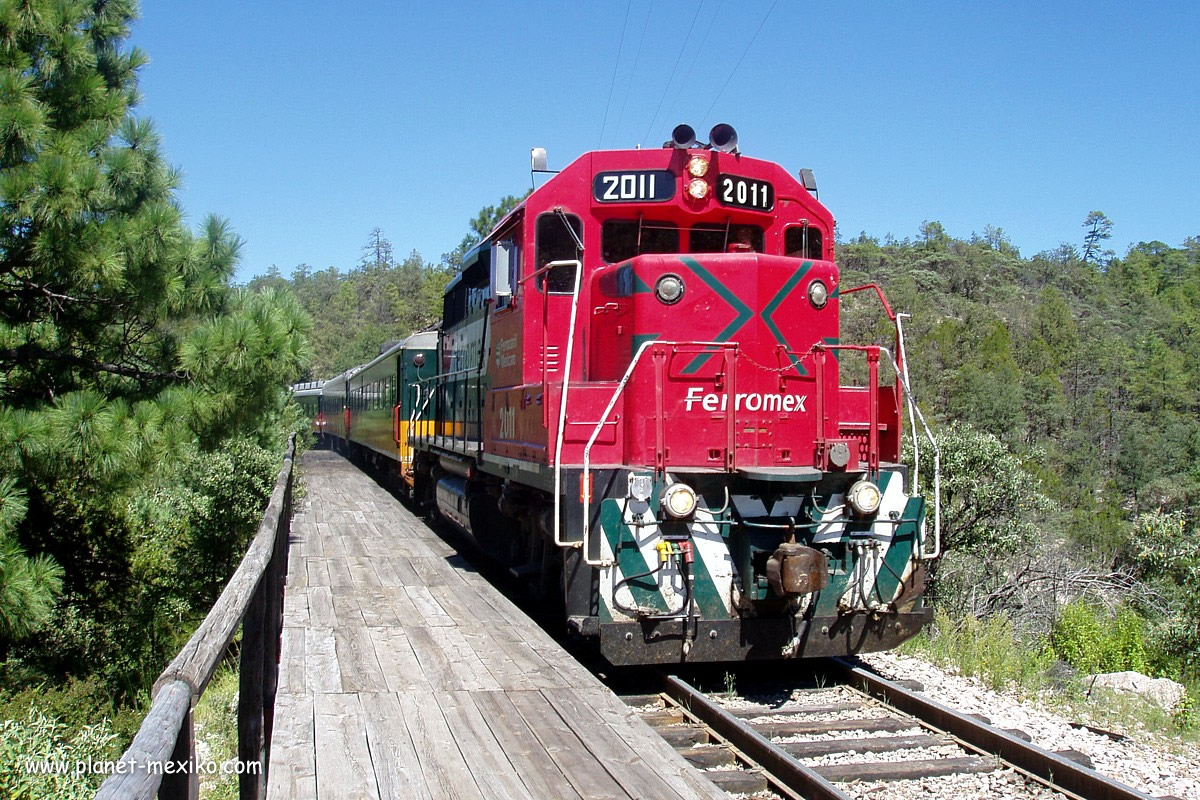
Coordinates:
<point>818,294</point>
<point>669,289</point>
<point>698,189</point>
<point>697,167</point>
<point>864,497</point>
<point>679,500</point>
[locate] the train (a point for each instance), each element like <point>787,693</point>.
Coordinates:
<point>634,403</point>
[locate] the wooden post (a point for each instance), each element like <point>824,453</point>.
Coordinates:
<point>250,692</point>
<point>182,784</point>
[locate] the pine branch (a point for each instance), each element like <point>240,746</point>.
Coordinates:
<point>31,354</point>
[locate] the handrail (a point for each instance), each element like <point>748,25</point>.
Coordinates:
<point>253,599</point>
<point>562,399</point>
<point>587,450</point>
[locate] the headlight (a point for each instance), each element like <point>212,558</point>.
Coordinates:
<point>697,167</point>
<point>864,497</point>
<point>698,189</point>
<point>818,294</point>
<point>669,289</point>
<point>679,500</point>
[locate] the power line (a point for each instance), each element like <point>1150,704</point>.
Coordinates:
<point>636,59</point>
<point>616,64</point>
<point>699,52</point>
<point>673,70</point>
<point>749,44</point>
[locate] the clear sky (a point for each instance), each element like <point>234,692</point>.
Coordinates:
<point>308,124</point>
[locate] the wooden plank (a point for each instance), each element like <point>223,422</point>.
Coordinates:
<point>344,766</point>
<point>395,571</point>
<point>346,610</point>
<point>357,661</point>
<point>321,613</point>
<point>571,755</point>
<point>293,769</point>
<point>770,729</point>
<point>377,610</point>
<point>429,611</point>
<point>632,770</point>
<point>353,544</point>
<point>295,607</point>
<point>469,670</point>
<point>318,571</point>
<point>363,573</point>
<point>869,744</point>
<point>645,741</point>
<point>435,664</point>
<point>906,770</point>
<point>340,579</point>
<point>321,672</point>
<point>445,770</point>
<point>495,774</point>
<point>401,669</point>
<point>523,749</point>
<point>291,661</point>
<point>397,767</point>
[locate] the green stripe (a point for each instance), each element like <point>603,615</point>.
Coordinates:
<point>773,306</point>
<point>904,539</point>
<point>708,598</point>
<point>743,312</point>
<point>638,339</point>
<point>629,557</point>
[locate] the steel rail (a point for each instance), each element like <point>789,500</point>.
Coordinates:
<point>782,767</point>
<point>1059,772</point>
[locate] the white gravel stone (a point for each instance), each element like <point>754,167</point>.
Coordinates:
<point>1145,761</point>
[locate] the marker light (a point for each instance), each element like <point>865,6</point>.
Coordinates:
<point>679,500</point>
<point>864,497</point>
<point>698,189</point>
<point>818,294</point>
<point>669,289</point>
<point>697,167</point>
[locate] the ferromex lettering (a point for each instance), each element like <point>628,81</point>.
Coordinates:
<point>747,401</point>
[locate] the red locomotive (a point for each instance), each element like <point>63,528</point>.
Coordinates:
<point>637,402</point>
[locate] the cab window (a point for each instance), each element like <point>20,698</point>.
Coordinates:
<point>555,243</point>
<point>623,239</point>
<point>802,241</point>
<point>709,238</point>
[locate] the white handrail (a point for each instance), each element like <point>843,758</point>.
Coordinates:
<point>587,450</point>
<point>562,401</point>
<point>937,468</point>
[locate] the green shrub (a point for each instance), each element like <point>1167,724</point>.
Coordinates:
<point>26,745</point>
<point>1091,641</point>
<point>989,649</point>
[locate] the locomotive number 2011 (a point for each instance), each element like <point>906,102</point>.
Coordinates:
<point>633,187</point>
<point>745,193</point>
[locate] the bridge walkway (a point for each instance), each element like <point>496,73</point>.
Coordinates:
<point>405,674</point>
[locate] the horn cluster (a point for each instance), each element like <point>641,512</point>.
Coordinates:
<point>722,138</point>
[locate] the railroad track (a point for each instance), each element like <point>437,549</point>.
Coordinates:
<point>858,730</point>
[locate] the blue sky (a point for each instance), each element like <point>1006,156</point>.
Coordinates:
<point>308,124</point>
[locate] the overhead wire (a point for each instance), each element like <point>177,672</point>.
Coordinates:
<point>699,51</point>
<point>616,64</point>
<point>733,71</point>
<point>636,58</point>
<point>674,69</point>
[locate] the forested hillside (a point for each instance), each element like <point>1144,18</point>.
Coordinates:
<point>1066,386</point>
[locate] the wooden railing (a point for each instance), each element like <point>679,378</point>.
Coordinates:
<point>162,757</point>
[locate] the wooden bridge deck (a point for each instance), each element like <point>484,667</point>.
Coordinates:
<point>404,674</point>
